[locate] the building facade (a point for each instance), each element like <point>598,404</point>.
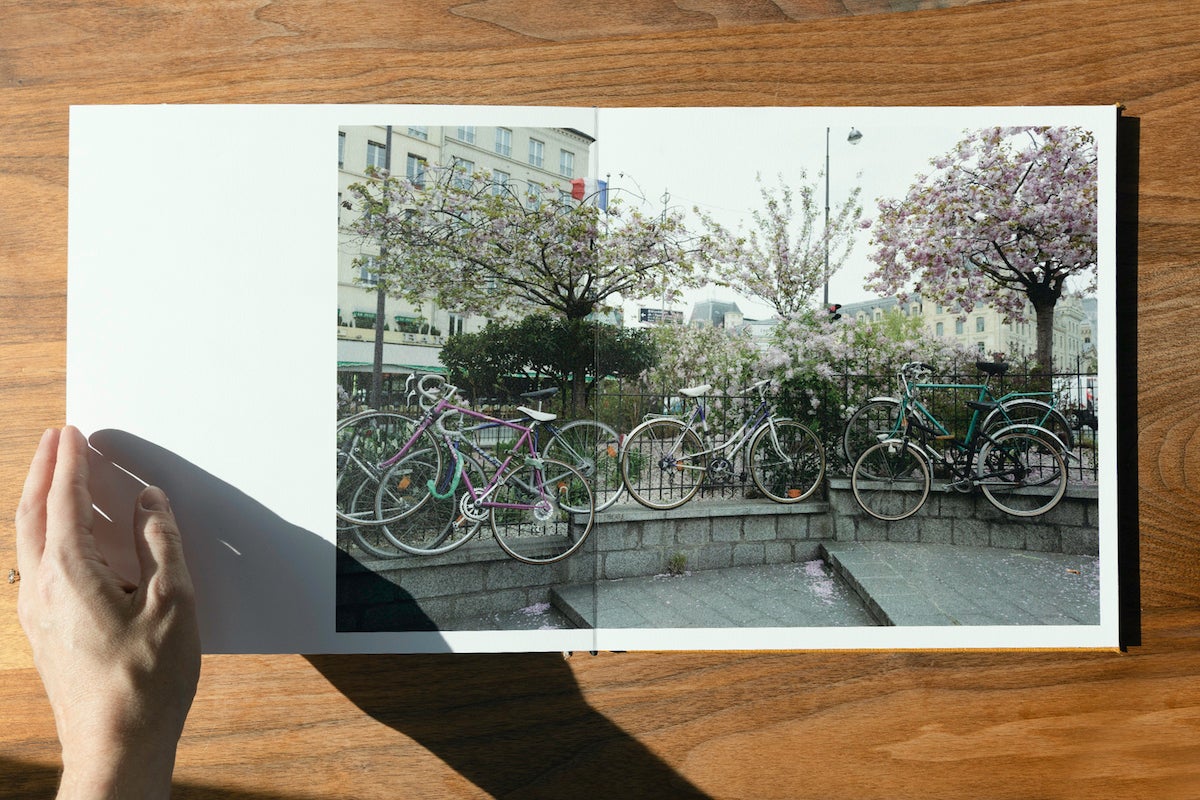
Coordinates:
<point>984,329</point>
<point>522,157</point>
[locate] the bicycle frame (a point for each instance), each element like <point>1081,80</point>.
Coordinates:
<point>527,441</point>
<point>739,438</point>
<point>969,445</point>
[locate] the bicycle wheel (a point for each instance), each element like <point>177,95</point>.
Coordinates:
<point>662,464</point>
<point>369,538</point>
<point>1031,412</point>
<point>876,420</point>
<point>364,441</point>
<point>594,449</point>
<point>444,519</point>
<point>529,511</point>
<point>1022,474</point>
<point>355,491</point>
<point>787,461</point>
<point>404,487</point>
<point>891,480</point>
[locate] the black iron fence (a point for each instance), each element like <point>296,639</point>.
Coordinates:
<point>828,405</point>
<point>825,407</point>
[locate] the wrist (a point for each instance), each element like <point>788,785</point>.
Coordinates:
<point>116,773</point>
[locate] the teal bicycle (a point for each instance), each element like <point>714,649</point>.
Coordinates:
<point>1020,467</point>
<point>880,417</point>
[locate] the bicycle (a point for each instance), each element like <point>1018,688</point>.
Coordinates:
<point>664,460</point>
<point>434,493</point>
<point>879,417</point>
<point>590,446</point>
<point>364,440</point>
<point>1019,468</point>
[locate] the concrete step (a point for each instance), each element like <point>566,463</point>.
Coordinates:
<point>853,584</point>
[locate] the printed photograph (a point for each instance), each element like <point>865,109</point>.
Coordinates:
<point>725,370</point>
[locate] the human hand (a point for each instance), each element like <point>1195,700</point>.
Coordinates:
<point>120,662</point>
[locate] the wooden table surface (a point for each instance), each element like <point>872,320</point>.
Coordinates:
<point>729,725</point>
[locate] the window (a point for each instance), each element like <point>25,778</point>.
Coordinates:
<point>979,324</point>
<point>341,149</point>
<point>466,133</point>
<point>499,181</point>
<point>414,168</point>
<point>463,170</point>
<point>376,155</point>
<point>367,275</point>
<point>456,325</point>
<point>958,326</point>
<point>566,163</point>
<point>419,132</point>
<point>941,329</point>
<point>504,141</point>
<point>536,152</point>
<point>981,347</point>
<point>534,197</point>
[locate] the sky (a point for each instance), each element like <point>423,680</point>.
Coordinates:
<point>709,158</point>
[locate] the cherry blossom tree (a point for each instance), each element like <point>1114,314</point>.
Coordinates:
<point>1005,219</point>
<point>782,259</point>
<point>475,245</point>
<point>503,250</point>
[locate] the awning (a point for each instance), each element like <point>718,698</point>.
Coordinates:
<point>366,366</point>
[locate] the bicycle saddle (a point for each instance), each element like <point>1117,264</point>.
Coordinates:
<point>992,367</point>
<point>537,416</point>
<point>696,391</point>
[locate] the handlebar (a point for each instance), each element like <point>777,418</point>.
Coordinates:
<point>430,388</point>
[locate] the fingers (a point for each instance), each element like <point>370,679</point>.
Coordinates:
<point>31,511</point>
<point>69,502</point>
<point>159,546</point>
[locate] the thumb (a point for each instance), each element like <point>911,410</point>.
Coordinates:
<point>159,546</point>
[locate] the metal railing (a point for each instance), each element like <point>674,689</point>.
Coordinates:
<point>826,405</point>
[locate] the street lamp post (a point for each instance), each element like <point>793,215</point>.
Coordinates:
<point>853,138</point>
<point>380,298</point>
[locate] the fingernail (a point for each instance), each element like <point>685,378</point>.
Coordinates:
<point>154,499</point>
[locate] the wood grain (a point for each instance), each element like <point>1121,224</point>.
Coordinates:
<point>730,725</point>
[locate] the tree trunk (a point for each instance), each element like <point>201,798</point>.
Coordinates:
<point>579,393</point>
<point>1045,336</point>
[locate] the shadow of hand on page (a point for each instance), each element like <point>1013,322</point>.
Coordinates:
<point>514,724</point>
<point>263,585</point>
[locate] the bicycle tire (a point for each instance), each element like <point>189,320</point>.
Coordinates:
<point>368,538</point>
<point>1022,474</point>
<point>364,441</point>
<point>791,472</point>
<point>1027,411</point>
<point>594,449</point>
<point>874,421</point>
<point>891,480</point>
<point>663,464</point>
<point>531,521</point>
<point>438,524</point>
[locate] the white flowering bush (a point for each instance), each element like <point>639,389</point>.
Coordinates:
<point>825,370</point>
<point>688,356</point>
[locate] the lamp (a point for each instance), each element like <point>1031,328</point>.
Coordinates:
<point>854,137</point>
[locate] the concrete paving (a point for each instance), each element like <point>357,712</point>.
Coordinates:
<point>855,584</point>
<point>935,584</point>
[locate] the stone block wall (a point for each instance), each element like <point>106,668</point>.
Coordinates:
<point>479,579</point>
<point>969,519</point>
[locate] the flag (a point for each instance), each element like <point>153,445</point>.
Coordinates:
<point>597,190</point>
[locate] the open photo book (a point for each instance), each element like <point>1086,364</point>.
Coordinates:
<point>608,379</point>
